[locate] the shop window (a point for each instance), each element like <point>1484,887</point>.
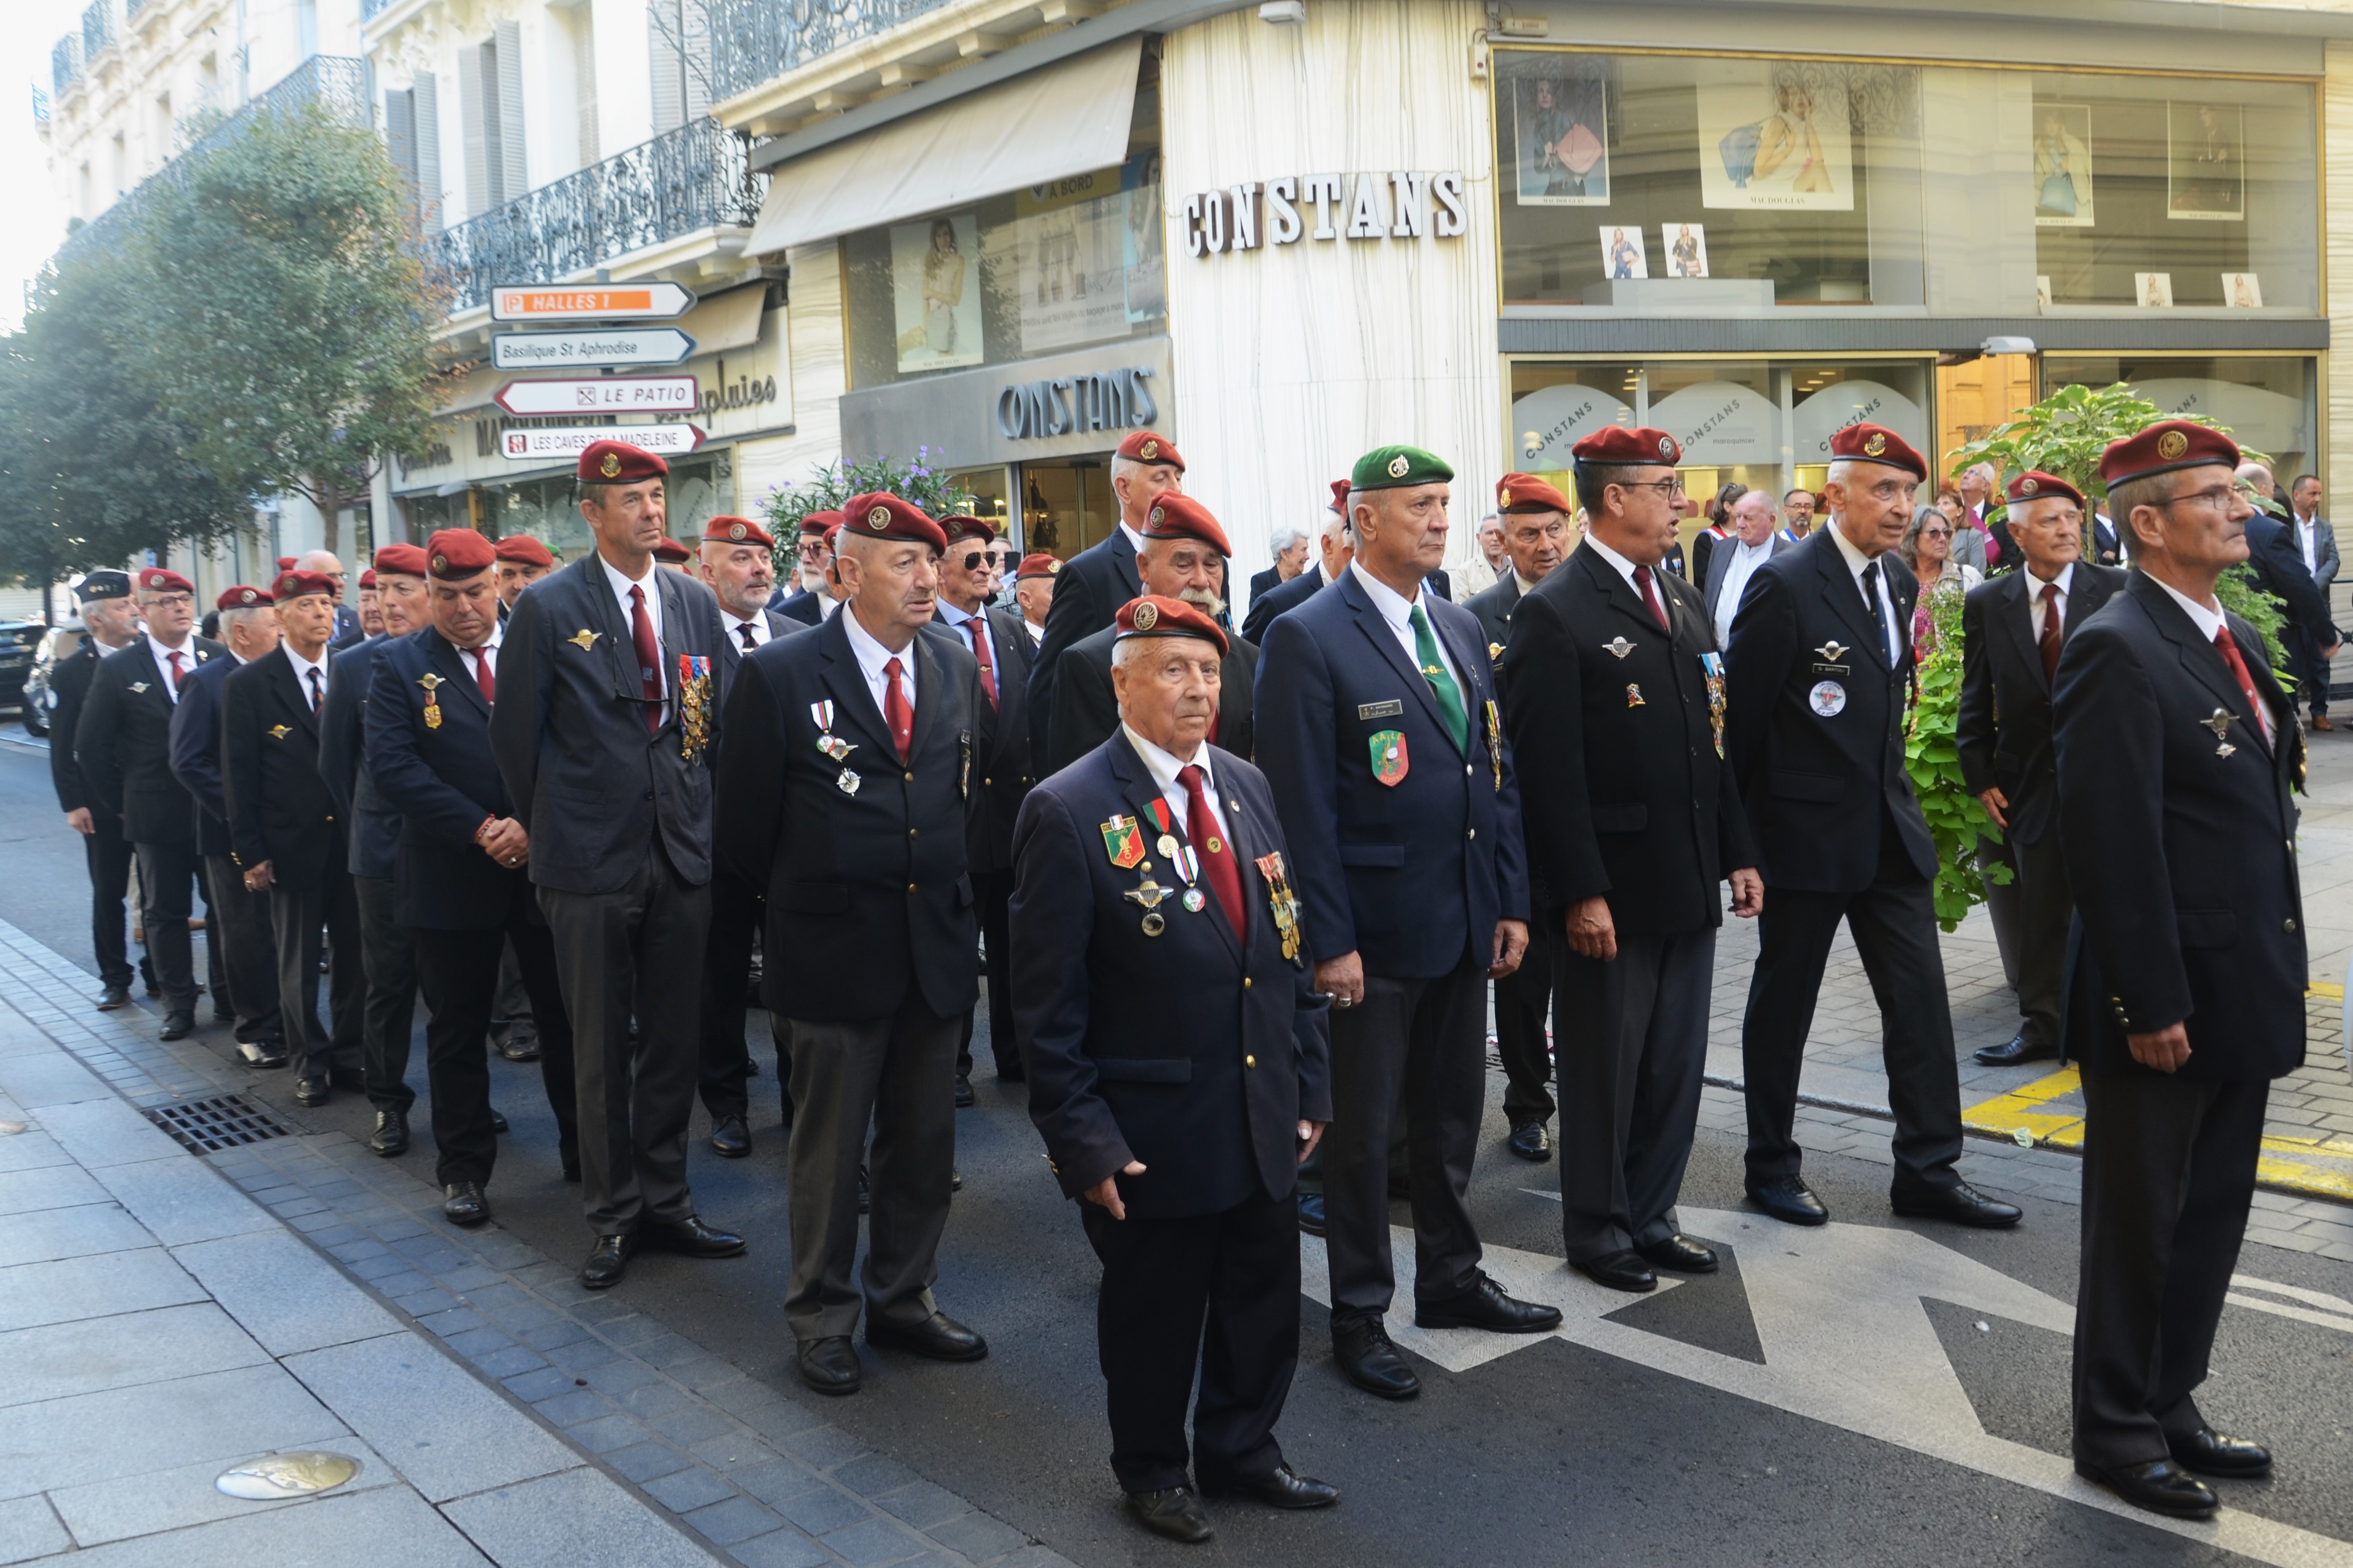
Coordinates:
<point>2265,401</point>
<point>991,493</point>
<point>1067,507</point>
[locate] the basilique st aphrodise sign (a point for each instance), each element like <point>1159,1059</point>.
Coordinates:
<point>1403,205</point>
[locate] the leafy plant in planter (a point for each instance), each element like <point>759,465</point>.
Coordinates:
<point>1956,819</point>
<point>833,485</point>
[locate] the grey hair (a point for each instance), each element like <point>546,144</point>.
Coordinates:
<point>1992,475</point>
<point>1285,537</point>
<point>1338,526</point>
<point>241,614</point>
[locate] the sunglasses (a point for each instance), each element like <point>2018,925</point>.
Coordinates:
<point>975,561</point>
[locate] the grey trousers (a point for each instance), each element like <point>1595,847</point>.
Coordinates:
<point>2001,907</point>
<point>2046,906</point>
<point>632,951</point>
<point>389,1014</point>
<point>297,916</point>
<point>898,1073</point>
<point>167,881</point>
<point>1633,1049</point>
<point>237,929</point>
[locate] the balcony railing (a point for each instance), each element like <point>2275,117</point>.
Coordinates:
<point>739,44</point>
<point>370,9</point>
<point>97,28</point>
<point>694,177</point>
<point>65,63</point>
<point>40,105</point>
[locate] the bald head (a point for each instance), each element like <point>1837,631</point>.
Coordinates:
<point>324,563</point>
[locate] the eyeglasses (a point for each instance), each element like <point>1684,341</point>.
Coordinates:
<point>975,561</point>
<point>1666,487</point>
<point>173,601</point>
<point>1936,533</point>
<point>809,550</point>
<point>2219,497</point>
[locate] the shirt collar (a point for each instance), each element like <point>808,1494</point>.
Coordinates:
<point>303,667</point>
<point>622,582</point>
<point>2207,621</point>
<point>871,655</point>
<point>954,617</point>
<point>498,635</point>
<point>1524,586</point>
<point>1618,564</point>
<point>1763,547</point>
<point>2065,580</point>
<point>1133,538</point>
<point>1163,764</point>
<point>1394,606</point>
<point>1856,561</point>
<point>186,650</point>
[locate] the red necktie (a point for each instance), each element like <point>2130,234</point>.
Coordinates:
<point>1650,596</point>
<point>980,651</point>
<point>1216,857</point>
<point>2229,648</point>
<point>895,711</point>
<point>641,629</point>
<point>178,675</point>
<point>318,690</point>
<point>482,676</point>
<point>2048,642</point>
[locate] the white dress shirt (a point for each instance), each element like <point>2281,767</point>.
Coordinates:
<point>1133,538</point>
<point>2034,606</point>
<point>163,656</point>
<point>1397,610</point>
<point>302,668</point>
<point>489,652</point>
<point>651,583</point>
<point>872,657</point>
<point>2209,623</point>
<point>825,606</point>
<point>2307,545</point>
<point>737,626</point>
<point>1856,561</point>
<point>1164,767</point>
<point>1037,630</point>
<point>1739,568</point>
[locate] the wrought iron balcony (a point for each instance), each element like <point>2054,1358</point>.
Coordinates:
<point>692,178</point>
<point>65,63</point>
<point>40,105</point>
<point>97,28</point>
<point>739,44</point>
<point>371,9</point>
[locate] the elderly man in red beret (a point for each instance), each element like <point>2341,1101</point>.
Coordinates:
<point>811,598</point>
<point>521,561</point>
<point>1033,592</point>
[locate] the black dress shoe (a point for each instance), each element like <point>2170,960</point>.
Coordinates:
<point>2209,1453</point>
<point>1529,1143</point>
<point>497,1121</point>
<point>1310,1213</point>
<point>964,1096</point>
<point>1175,1514</point>
<point>462,1204</point>
<point>1484,1306</point>
<point>939,1336</point>
<point>2159,1486</point>
<point>1960,1203</point>
<point>608,1261</point>
<point>731,1138</point>
<point>262,1053</point>
<point>391,1135</point>
<point>525,1050</point>
<point>1362,1349</point>
<point>312,1091</point>
<point>690,1237</point>
<point>829,1365</point>
<point>179,1024</point>
<point>1789,1200</point>
<point>1283,1487</point>
<point>1680,1253</point>
<point>113,996</point>
<point>2015,1052</point>
<point>1619,1271</point>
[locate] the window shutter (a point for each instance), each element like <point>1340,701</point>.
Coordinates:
<point>426,95</point>
<point>507,39</point>
<point>400,132</point>
<point>480,198</point>
<point>664,43</point>
<point>584,80</point>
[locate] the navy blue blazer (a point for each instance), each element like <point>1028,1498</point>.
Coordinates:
<point>1147,1048</point>
<point>800,605</point>
<point>195,751</point>
<point>1088,591</point>
<point>371,829</point>
<point>2279,568</point>
<point>1413,874</point>
<point>1280,600</point>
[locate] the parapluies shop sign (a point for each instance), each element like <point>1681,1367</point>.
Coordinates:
<point>1404,205</point>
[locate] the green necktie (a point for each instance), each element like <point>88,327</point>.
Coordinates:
<point>1441,685</point>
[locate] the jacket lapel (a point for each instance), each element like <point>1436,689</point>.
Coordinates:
<point>1122,554</point>
<point>2017,620</point>
<point>1845,594</point>
<point>1143,794</point>
<point>853,700</point>
<point>1620,593</point>
<point>451,666</point>
<point>291,692</point>
<point>1376,630</point>
<point>2199,658</point>
<point>931,694</point>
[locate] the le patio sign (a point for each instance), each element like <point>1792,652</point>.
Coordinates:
<point>1403,205</point>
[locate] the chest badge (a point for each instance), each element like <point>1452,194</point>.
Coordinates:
<point>1618,647</point>
<point>279,731</point>
<point>848,782</point>
<point>430,681</point>
<point>137,688</point>
<point>1148,893</point>
<point>2220,723</point>
<point>1828,699</point>
<point>1834,650</point>
<point>1123,840</point>
<point>835,747</point>
<point>1634,696</point>
<point>584,639</point>
<point>1390,760</point>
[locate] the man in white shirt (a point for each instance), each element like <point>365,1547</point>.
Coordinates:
<point>1753,543</point>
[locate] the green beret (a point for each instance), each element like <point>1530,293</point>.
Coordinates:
<point>1394,467</point>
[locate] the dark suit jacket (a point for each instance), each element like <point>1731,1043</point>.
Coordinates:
<point>195,752</point>
<point>1086,711</point>
<point>1234,1028</point>
<point>1702,548</point>
<point>1439,584</point>
<point>2107,549</point>
<point>1821,787</point>
<point>1266,582</point>
<point>2179,844</point>
<point>69,684</point>
<point>279,806</point>
<point>1279,601</point>
<point>1493,608</point>
<point>1621,749</point>
<point>371,829</point>
<point>800,605</point>
<point>1088,591</point>
<point>731,646</point>
<point>1004,759</point>
<point>1412,875</point>
<point>123,742</point>
<point>863,861</point>
<point>589,784</point>
<point>2279,568</point>
<point>2004,725</point>
<point>348,631</point>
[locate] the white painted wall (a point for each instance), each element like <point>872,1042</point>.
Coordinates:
<point>819,376</point>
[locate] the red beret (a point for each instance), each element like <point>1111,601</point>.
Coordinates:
<point>1525,492</point>
<point>294,584</point>
<point>618,463</point>
<point>457,553</point>
<point>2035,485</point>
<point>1182,517</point>
<point>963,525</point>
<point>2168,444</point>
<point>1036,564</point>
<point>670,549</point>
<point>367,579</point>
<point>1152,447</point>
<point>522,550</point>
<point>882,515</point>
<point>1878,444</point>
<point>820,522</point>
<point>241,597</point>
<point>1640,447</point>
<point>1154,617</point>
<point>406,559</point>
<point>725,530</point>
<point>1340,495</point>
<point>833,534</point>
<point>163,580</point>
<point>286,563</point>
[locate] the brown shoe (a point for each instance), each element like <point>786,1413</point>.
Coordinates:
<point>2320,721</point>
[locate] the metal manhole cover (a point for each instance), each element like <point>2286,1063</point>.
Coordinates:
<point>208,1126</point>
<point>284,1476</point>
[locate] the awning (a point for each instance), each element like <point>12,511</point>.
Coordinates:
<point>1065,120</point>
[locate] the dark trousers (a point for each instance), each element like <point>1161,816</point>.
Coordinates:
<point>992,892</point>
<point>1521,999</point>
<point>168,882</point>
<point>616,954</point>
<point>459,973</point>
<point>780,1029</point>
<point>1217,1289</point>
<point>296,916</point>
<point>237,929</point>
<point>1415,1047</point>
<point>2168,1172</point>
<point>1895,926</point>
<point>725,1063</point>
<point>899,1075</point>
<point>2046,907</point>
<point>109,856</point>
<point>511,1007</point>
<point>389,1013</point>
<point>2002,909</point>
<point>1633,1050</point>
<point>2311,671</point>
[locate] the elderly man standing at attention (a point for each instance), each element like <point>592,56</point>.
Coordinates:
<point>1414,884</point>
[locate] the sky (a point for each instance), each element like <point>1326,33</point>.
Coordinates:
<point>36,219</point>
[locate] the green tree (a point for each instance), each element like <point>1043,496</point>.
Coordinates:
<point>832,486</point>
<point>1956,819</point>
<point>291,313</point>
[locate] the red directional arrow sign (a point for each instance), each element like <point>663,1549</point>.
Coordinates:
<point>602,394</point>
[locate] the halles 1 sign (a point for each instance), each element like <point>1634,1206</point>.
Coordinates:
<point>1401,206</point>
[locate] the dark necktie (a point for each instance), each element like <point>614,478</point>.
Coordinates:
<point>1878,614</point>
<point>895,711</point>
<point>980,651</point>
<point>641,630</point>
<point>2048,642</point>
<point>743,630</point>
<point>2229,648</point>
<point>1650,596</point>
<point>482,676</point>
<point>318,689</point>
<point>1216,857</point>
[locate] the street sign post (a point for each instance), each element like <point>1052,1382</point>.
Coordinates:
<point>595,302</point>
<point>617,347</point>
<point>601,394</point>
<point>566,442</point>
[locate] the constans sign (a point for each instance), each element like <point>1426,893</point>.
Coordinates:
<point>1397,206</point>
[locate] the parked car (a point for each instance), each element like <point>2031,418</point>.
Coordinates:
<point>52,647</point>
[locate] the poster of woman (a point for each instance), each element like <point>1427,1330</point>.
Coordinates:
<point>1621,252</point>
<point>2243,291</point>
<point>935,292</point>
<point>1686,249</point>
<point>2062,165</point>
<point>1774,134</point>
<point>2206,147</point>
<point>2154,290</point>
<point>1559,125</point>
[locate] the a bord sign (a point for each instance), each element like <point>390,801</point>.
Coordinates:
<point>1404,205</point>
<point>1107,400</point>
<point>527,446</point>
<point>602,394</point>
<point>617,347</point>
<point>595,302</point>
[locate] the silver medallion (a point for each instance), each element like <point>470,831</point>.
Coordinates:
<point>848,781</point>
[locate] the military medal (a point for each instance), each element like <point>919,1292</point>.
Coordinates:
<point>693,704</point>
<point>1193,901</point>
<point>835,747</point>
<point>279,731</point>
<point>1168,846</point>
<point>1712,667</point>
<point>433,715</point>
<point>1124,842</point>
<point>137,688</point>
<point>848,781</point>
<point>432,683</point>
<point>2220,723</point>
<point>1828,699</point>
<point>1617,646</point>
<point>1495,741</point>
<point>1634,696</point>
<point>1153,924</point>
<point>1149,893</point>
<point>1391,761</point>
<point>1285,908</point>
<point>963,765</point>
<point>584,639</point>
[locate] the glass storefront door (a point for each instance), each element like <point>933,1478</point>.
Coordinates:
<point>1067,506</point>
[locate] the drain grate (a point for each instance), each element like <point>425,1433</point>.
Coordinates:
<point>208,1126</point>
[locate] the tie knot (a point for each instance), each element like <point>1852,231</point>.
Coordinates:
<point>2223,640</point>
<point>891,668</point>
<point>1190,775</point>
<point>636,594</point>
<point>2050,592</point>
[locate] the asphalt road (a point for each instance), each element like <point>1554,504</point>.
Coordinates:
<point>1849,1397</point>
